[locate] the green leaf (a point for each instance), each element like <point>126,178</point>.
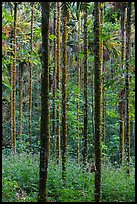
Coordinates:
<point>7,85</point>
<point>7,16</point>
<point>52,37</point>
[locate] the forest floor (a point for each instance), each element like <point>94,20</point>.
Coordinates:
<point>20,179</point>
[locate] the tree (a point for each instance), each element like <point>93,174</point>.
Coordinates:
<point>58,83</point>
<point>31,66</point>
<point>21,66</point>
<point>128,52</point>
<point>14,78</point>
<point>97,91</point>
<point>85,154</point>
<point>11,98</point>
<point>103,74</point>
<point>78,95</point>
<point>54,77</point>
<point>122,92</point>
<point>44,135</point>
<point>64,91</point>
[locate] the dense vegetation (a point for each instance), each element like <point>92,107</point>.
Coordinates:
<point>68,102</point>
<point>21,175</point>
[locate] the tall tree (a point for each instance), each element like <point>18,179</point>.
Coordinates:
<point>122,92</point>
<point>14,77</point>
<point>44,135</point>
<point>21,66</point>
<point>31,66</point>
<point>85,154</point>
<point>58,83</point>
<point>54,76</point>
<point>64,90</point>
<point>103,74</point>
<point>98,96</point>
<point>78,95</point>
<point>128,52</point>
<point>11,97</point>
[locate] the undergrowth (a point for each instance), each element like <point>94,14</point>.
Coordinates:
<point>20,182</point>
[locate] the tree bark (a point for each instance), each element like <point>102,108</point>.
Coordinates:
<point>128,52</point>
<point>31,67</point>
<point>54,81</point>
<point>98,96</point>
<point>85,86</point>
<point>14,78</point>
<point>44,135</point>
<point>64,93</point>
<point>58,84</point>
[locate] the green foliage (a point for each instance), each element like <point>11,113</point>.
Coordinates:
<point>117,186</point>
<point>21,174</point>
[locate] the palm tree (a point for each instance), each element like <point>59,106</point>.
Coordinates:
<point>98,96</point>
<point>44,135</point>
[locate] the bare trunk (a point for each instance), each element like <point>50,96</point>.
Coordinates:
<point>44,136</point>
<point>128,44</point>
<point>85,88</point>
<point>31,66</point>
<point>98,96</point>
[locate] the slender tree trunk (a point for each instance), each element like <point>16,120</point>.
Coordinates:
<point>14,79</point>
<point>21,96</point>
<point>78,96</point>
<point>103,72</point>
<point>93,105</point>
<point>128,46</point>
<point>64,93</point>
<point>98,96</point>
<point>44,135</point>
<point>58,84</point>
<point>31,67</point>
<point>85,87</point>
<point>54,81</point>
<point>122,92</point>
<point>11,99</point>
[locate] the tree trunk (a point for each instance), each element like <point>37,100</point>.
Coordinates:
<point>85,87</point>
<point>122,92</point>
<point>103,79</point>
<point>31,66</point>
<point>128,46</point>
<point>54,81</point>
<point>14,79</point>
<point>58,84</point>
<point>78,95</point>
<point>44,135</point>
<point>98,88</point>
<point>64,93</point>
<point>11,98</point>
<point>21,66</point>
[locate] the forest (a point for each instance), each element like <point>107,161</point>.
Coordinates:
<point>68,101</point>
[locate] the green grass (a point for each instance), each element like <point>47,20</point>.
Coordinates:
<point>21,174</point>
